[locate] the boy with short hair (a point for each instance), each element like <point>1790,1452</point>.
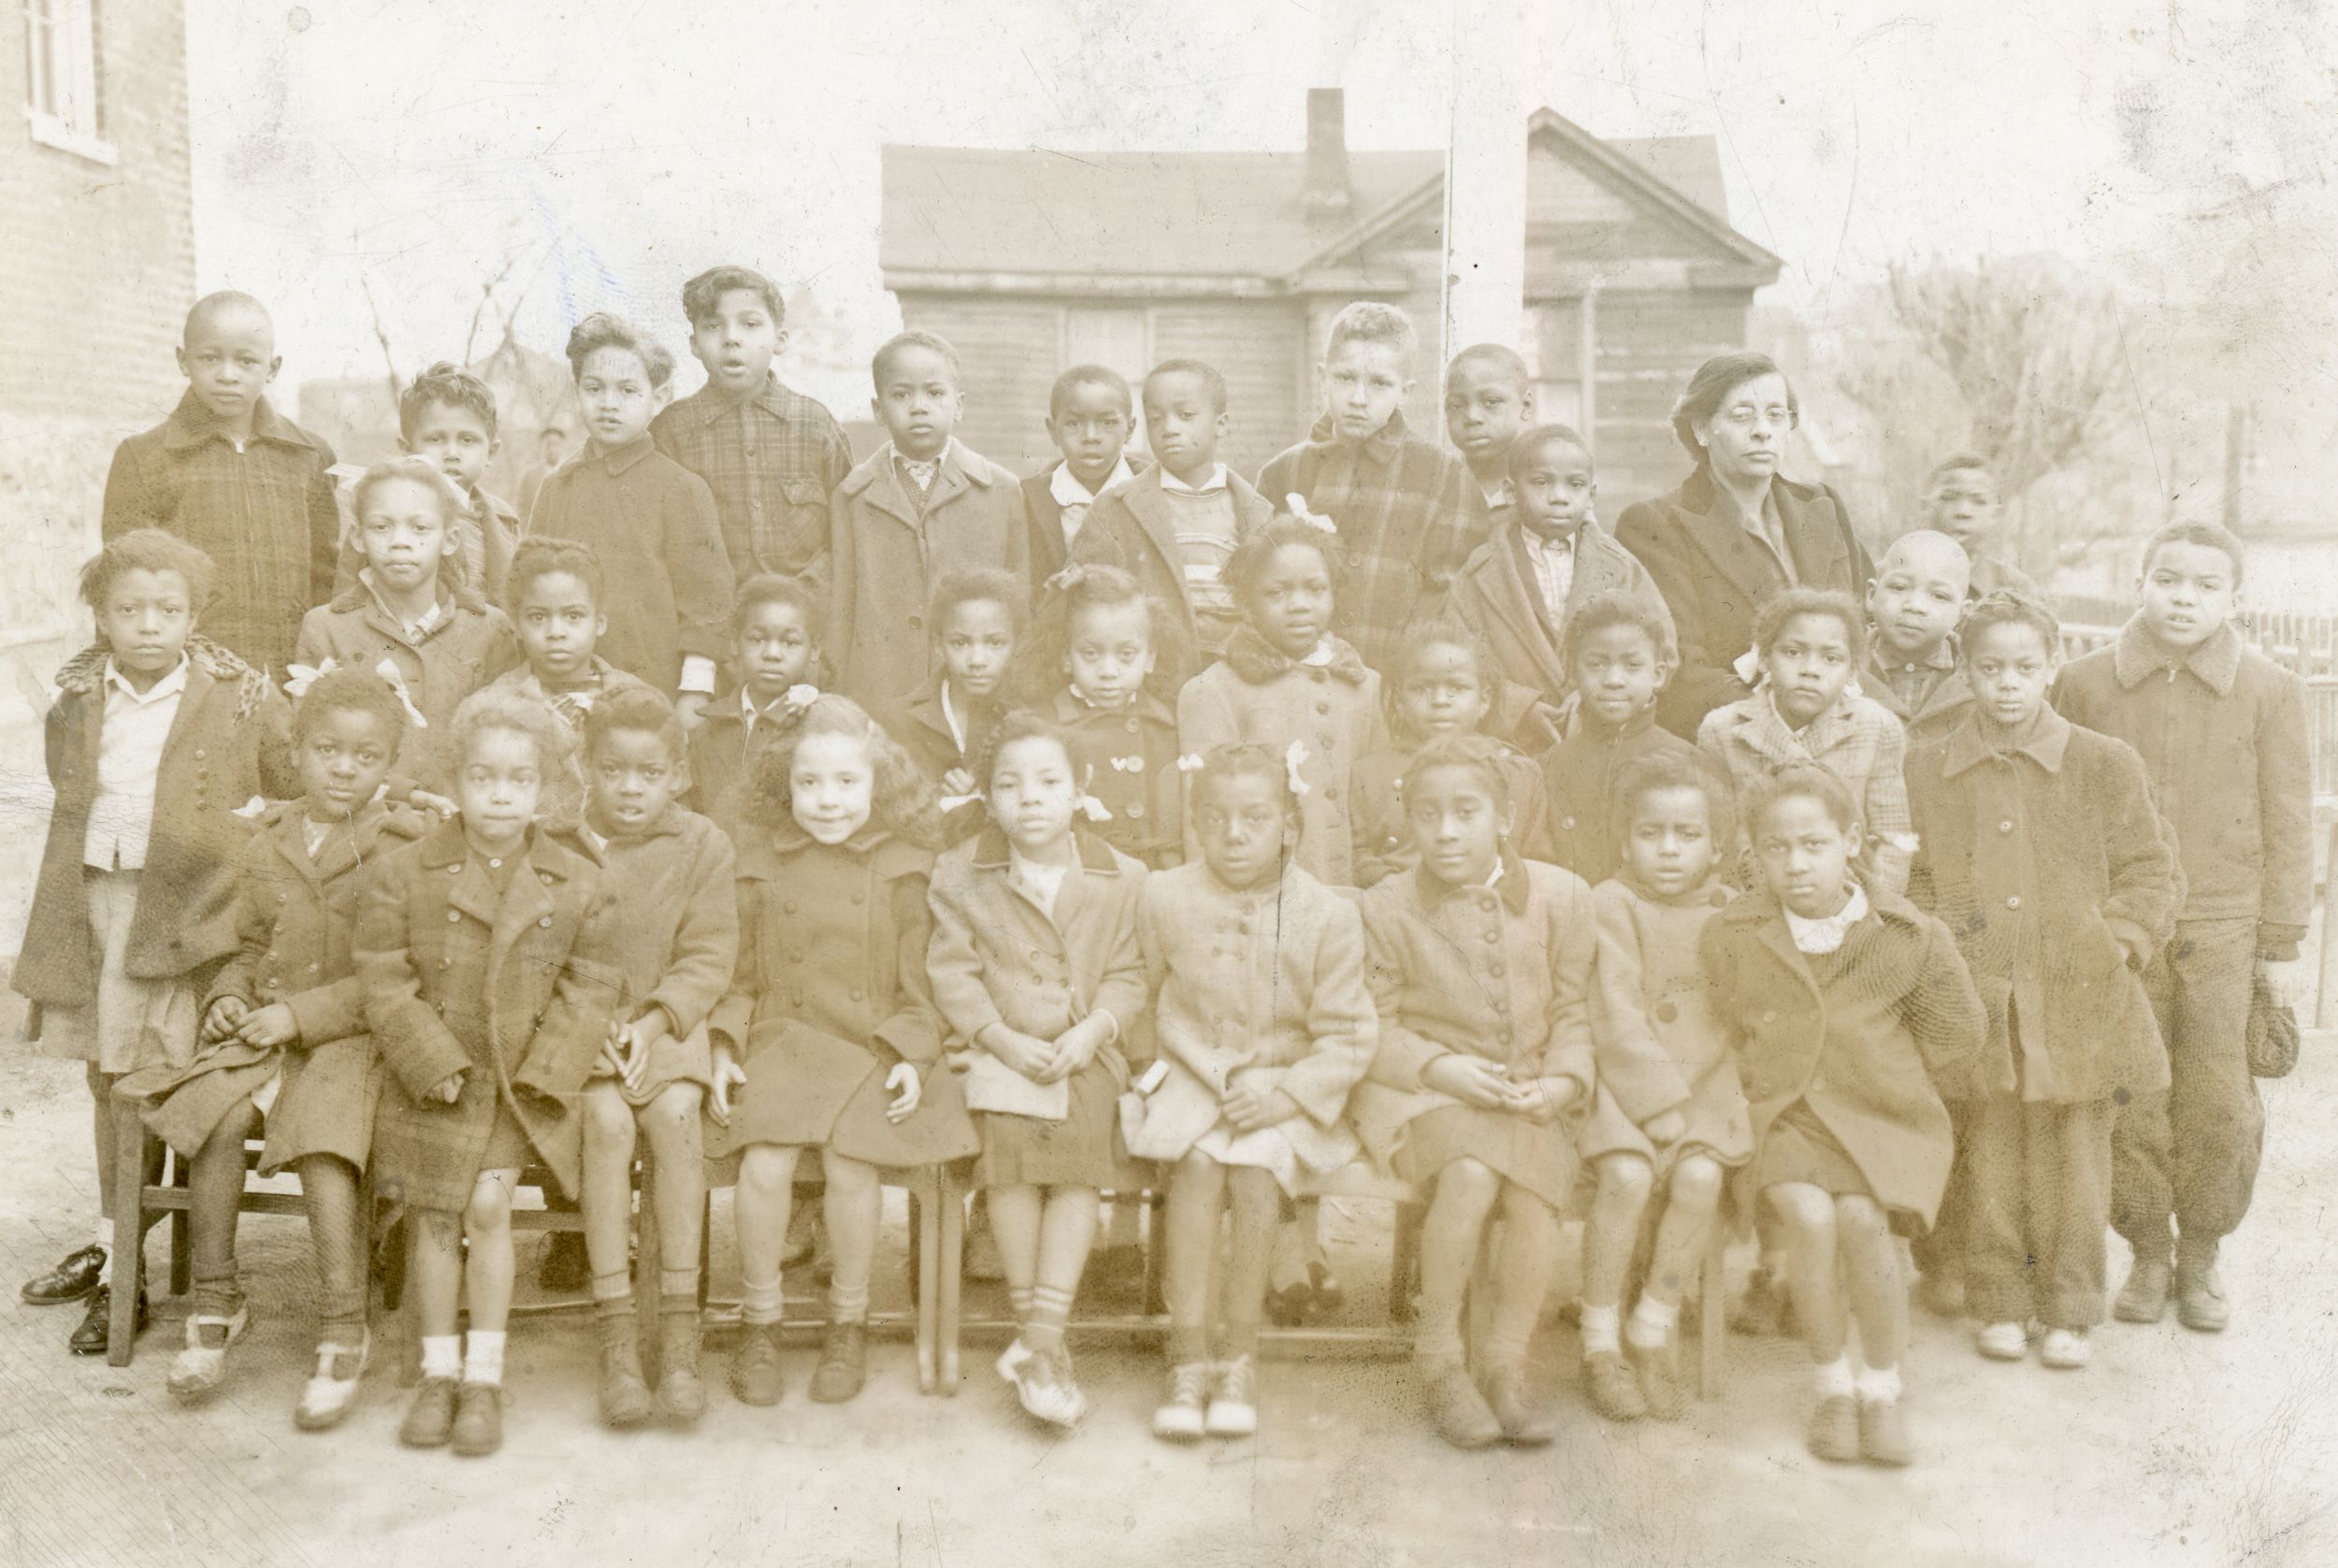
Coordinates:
<point>1173,525</point>
<point>771,457</point>
<point>1914,603</point>
<point>1408,513</point>
<point>915,510</point>
<point>1090,419</point>
<point>1488,399</point>
<point>238,480</point>
<point>2222,732</point>
<point>1961,500</point>
<point>448,415</point>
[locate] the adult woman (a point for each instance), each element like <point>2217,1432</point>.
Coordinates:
<point>1736,534</point>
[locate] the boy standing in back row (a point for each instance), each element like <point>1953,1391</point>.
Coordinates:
<point>1408,513</point>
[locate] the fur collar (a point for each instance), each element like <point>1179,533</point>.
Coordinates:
<point>86,670</point>
<point>1257,662</point>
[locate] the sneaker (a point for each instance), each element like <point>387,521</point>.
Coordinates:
<point>1526,1422</point>
<point>754,1372</point>
<point>2064,1350</point>
<point>565,1270</point>
<point>624,1396</point>
<point>478,1429</point>
<point>1884,1434</point>
<point>1233,1399</point>
<point>2144,1299</point>
<point>843,1365</point>
<point>1660,1390</point>
<point>2002,1342</point>
<point>681,1395</point>
<point>430,1418</point>
<point>2200,1299</point>
<point>328,1395</point>
<point>1835,1430</point>
<point>1045,1388</point>
<point>202,1366</point>
<point>1178,1418</point>
<point>1942,1295</point>
<point>1011,1362</point>
<point>1613,1387</point>
<point>1457,1410</point>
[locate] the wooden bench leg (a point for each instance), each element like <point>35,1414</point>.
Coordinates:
<point>1711,1333</point>
<point>1156,1207</point>
<point>952,1207</point>
<point>129,1260</point>
<point>1404,1261</point>
<point>926,1205</point>
<point>647,1263</point>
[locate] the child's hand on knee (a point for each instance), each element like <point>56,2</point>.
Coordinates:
<point>730,1078</point>
<point>449,1090</point>
<point>907,1087</point>
<point>1667,1129</point>
<point>269,1026</point>
<point>224,1018</point>
<point>1471,1080</point>
<point>633,1042</point>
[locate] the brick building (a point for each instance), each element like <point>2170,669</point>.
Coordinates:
<point>1032,261</point>
<point>96,221</point>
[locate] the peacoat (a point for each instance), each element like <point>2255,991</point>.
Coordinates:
<point>1714,578</point>
<point>518,989</point>
<point>830,995</point>
<point>1256,695</point>
<point>1583,829</point>
<point>1495,592</point>
<point>887,553</point>
<point>1872,1049</point>
<point>1503,973</point>
<point>229,744</point>
<point>1262,987</point>
<point>997,957</point>
<point>467,646</point>
<point>1856,740</point>
<point>1131,526</point>
<point>2048,862</point>
<point>1661,1044</point>
<point>1128,763</point>
<point>677,899</point>
<point>295,916</point>
<point>1383,836</point>
<point>2222,732</point>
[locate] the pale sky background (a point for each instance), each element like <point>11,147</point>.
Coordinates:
<point>622,144</point>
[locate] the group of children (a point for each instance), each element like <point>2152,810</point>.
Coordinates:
<point>1126,827</point>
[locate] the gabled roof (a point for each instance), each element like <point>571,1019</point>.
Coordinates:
<point>1235,216</point>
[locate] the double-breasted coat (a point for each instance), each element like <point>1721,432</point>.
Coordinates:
<point>515,987</point>
<point>1128,762</point>
<point>2047,862</point>
<point>1583,822</point>
<point>676,886</point>
<point>830,995</point>
<point>229,743</point>
<point>467,646</point>
<point>1131,526</point>
<point>1871,1049</point>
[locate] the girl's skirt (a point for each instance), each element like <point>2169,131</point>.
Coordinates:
<point>1539,1157</point>
<point>132,1023</point>
<point>1799,1148</point>
<point>1082,1150</point>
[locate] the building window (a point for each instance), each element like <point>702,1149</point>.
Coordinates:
<point>60,77</point>
<point>1556,328</point>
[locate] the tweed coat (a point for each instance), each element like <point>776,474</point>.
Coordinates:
<point>1128,762</point>
<point>229,743</point>
<point>1715,578</point>
<point>830,995</point>
<point>1495,593</point>
<point>1501,974</point>
<point>887,553</point>
<point>1583,826</point>
<point>295,916</point>
<point>1257,695</point>
<point>467,646</point>
<point>517,990</point>
<point>677,899</point>
<point>1872,1049</point>
<point>1131,526</point>
<point>1661,1045</point>
<point>997,957</point>
<point>2049,864</point>
<point>1261,988</point>
<point>1856,740</point>
<point>1383,836</point>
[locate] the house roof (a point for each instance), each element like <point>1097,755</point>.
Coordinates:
<point>962,211</point>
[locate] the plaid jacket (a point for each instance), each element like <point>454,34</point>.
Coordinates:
<point>1856,739</point>
<point>263,512</point>
<point>771,460</point>
<point>1409,513</point>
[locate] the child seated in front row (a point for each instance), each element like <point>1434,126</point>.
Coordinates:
<point>410,610</point>
<point>1264,1025</point>
<point>488,953</point>
<point>828,1039</point>
<point>298,1053</point>
<point>1850,1013</point>
<point>1620,655</point>
<point>978,618</point>
<point>1669,1117</point>
<point>1810,642</point>
<point>2041,850</point>
<point>1481,970</point>
<point>1915,604</point>
<point>1100,629</point>
<point>1445,688</point>
<point>677,896</point>
<point>1037,975</point>
<point>775,648</point>
<point>156,740</point>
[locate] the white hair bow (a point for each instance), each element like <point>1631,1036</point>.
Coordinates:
<point>301,677</point>
<point>1293,755</point>
<point>1192,762</point>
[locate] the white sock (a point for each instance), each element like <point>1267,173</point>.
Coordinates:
<point>1834,1378</point>
<point>1600,1326</point>
<point>102,1235</point>
<point>443,1355</point>
<point>1652,1323</point>
<point>1879,1385</point>
<point>482,1357</point>
<point>761,1304</point>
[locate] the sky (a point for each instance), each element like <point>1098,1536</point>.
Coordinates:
<point>616,146</point>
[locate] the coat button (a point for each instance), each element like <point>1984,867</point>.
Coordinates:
<point>1322,707</point>
<point>545,921</point>
<point>857,898</point>
<point>1769,1015</point>
<point>274,982</point>
<point>1135,808</point>
<point>1568,823</point>
<point>2006,827</point>
<point>1331,792</point>
<point>789,906</point>
<point>446,963</point>
<point>453,915</point>
<point>2014,902</point>
<point>455,869</point>
<point>1666,1011</point>
<point>858,993</point>
<point>200,753</point>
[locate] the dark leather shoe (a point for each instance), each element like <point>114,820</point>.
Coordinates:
<point>74,1277</point>
<point>478,1429</point>
<point>430,1418</point>
<point>844,1363</point>
<point>91,1338</point>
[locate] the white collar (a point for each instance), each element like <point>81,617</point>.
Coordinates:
<point>168,685</point>
<point>1069,492</point>
<point>1320,654</point>
<point>951,716</point>
<point>1824,934</point>
<point>1210,486</point>
<point>422,623</point>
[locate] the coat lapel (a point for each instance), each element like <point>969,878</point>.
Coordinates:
<point>1732,554</point>
<point>184,723</point>
<point>1812,538</point>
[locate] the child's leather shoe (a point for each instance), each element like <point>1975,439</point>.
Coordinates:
<point>1456,1409</point>
<point>625,1400</point>
<point>1525,1420</point>
<point>430,1418</point>
<point>844,1363</point>
<point>1612,1385</point>
<point>1883,1433</point>
<point>755,1370</point>
<point>681,1394</point>
<point>478,1429</point>
<point>2144,1299</point>
<point>1835,1430</point>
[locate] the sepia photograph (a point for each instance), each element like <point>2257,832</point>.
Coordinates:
<point>1281,783</point>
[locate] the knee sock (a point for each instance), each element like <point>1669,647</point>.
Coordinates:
<point>1652,1323</point>
<point>1833,1379</point>
<point>442,1356</point>
<point>1051,1309</point>
<point>1018,1302</point>
<point>482,1357</point>
<point>1600,1330</point>
<point>1877,1385</point>
<point>847,1306</point>
<point>760,1304</point>
<point>613,1294</point>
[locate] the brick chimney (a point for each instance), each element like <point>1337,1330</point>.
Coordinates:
<point>1325,194</point>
